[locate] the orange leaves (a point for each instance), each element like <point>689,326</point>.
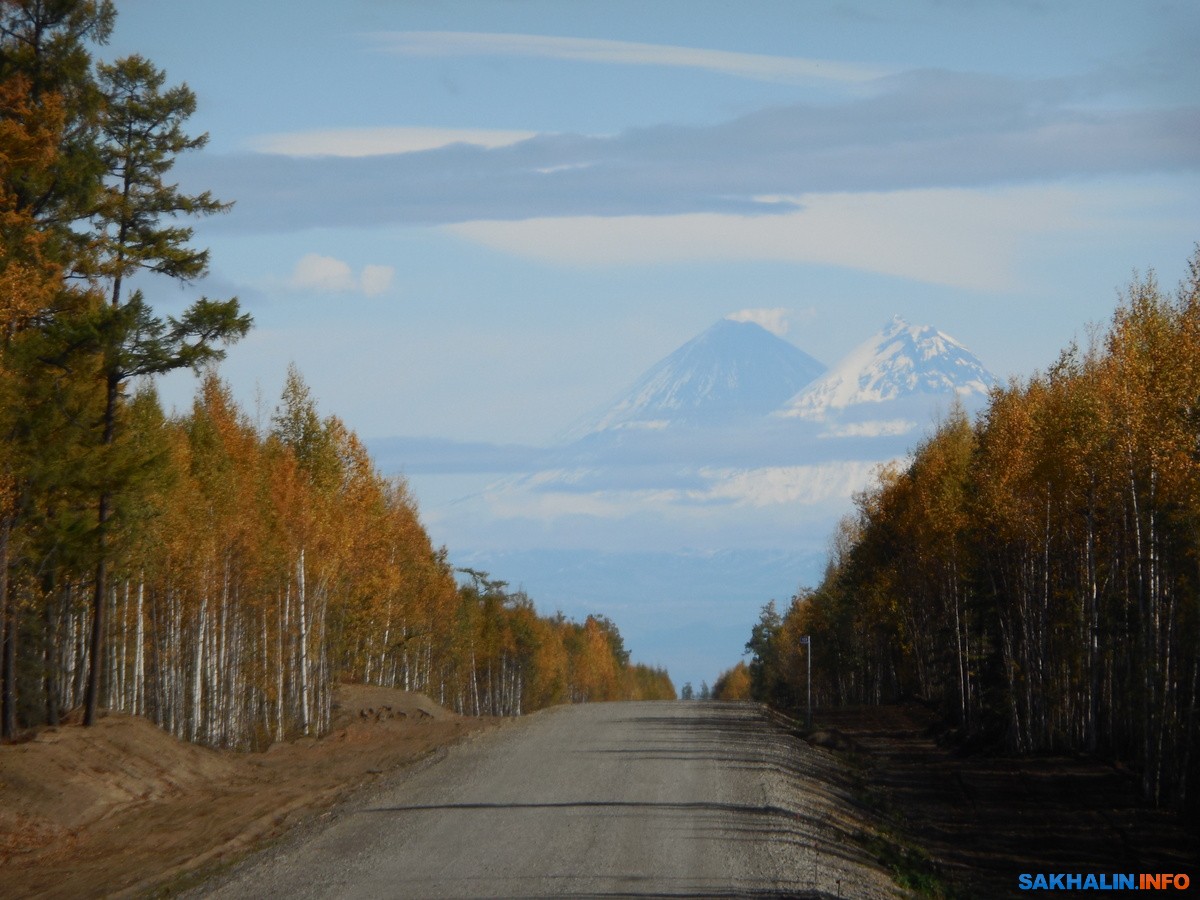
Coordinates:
<point>29,136</point>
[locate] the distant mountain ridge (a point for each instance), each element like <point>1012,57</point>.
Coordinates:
<point>737,373</point>
<point>899,362</point>
<point>737,396</point>
<point>728,373</point>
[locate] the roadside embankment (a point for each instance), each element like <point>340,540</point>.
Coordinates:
<point>122,807</point>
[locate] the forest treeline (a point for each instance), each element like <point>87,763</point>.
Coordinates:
<point>217,575</point>
<point>1035,573</point>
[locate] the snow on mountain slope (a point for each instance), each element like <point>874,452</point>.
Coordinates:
<point>899,362</point>
<point>731,372</point>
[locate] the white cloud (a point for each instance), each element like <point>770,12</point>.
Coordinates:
<point>315,272</point>
<point>380,141</point>
<point>376,279</point>
<point>772,485</point>
<point>957,237</point>
<point>928,135</point>
<point>757,66</point>
<point>876,428</point>
<point>774,320</point>
<point>544,496</point>
<point>322,273</point>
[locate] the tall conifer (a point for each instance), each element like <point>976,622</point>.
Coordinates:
<point>135,229</point>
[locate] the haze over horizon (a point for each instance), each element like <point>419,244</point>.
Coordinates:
<point>473,222</point>
<point>711,485</point>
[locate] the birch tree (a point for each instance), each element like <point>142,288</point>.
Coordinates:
<point>1034,576</point>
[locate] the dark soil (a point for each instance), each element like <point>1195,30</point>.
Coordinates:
<point>983,820</point>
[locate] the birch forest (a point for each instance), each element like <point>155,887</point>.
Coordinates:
<point>215,574</point>
<point>1034,574</point>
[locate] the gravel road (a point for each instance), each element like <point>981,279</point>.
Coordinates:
<point>601,800</point>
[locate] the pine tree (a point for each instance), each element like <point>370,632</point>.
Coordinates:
<point>134,230</point>
<point>29,284</point>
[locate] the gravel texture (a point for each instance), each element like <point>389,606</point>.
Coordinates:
<point>601,800</point>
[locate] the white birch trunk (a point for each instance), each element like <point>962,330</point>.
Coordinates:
<point>279,669</point>
<point>139,652</point>
<point>198,674</point>
<point>304,696</point>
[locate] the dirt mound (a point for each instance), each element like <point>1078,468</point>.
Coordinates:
<point>833,739</point>
<point>71,776</point>
<point>357,703</point>
<point>123,805</point>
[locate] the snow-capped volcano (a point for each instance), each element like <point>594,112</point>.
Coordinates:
<point>731,372</point>
<point>899,362</point>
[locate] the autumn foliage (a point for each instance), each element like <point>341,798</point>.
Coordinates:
<point>733,684</point>
<point>258,568</point>
<point>217,575</point>
<point>1035,574</point>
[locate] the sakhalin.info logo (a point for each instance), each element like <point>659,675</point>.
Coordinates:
<point>1145,881</point>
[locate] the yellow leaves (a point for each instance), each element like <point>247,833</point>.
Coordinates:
<point>595,671</point>
<point>733,684</point>
<point>1151,380</point>
<point>1005,550</point>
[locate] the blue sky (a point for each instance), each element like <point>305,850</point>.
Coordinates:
<point>479,220</point>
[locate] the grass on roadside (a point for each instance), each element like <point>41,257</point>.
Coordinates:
<point>910,866</point>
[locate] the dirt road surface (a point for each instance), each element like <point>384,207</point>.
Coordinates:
<point>620,799</point>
